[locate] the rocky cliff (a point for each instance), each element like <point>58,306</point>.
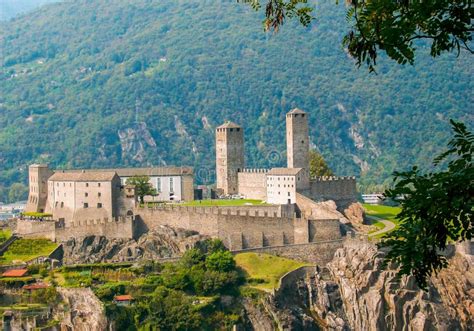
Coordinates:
<point>161,243</point>
<point>85,311</point>
<point>354,293</point>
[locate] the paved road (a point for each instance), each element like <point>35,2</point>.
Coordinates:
<point>389,226</point>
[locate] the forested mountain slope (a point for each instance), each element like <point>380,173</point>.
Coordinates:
<point>128,83</point>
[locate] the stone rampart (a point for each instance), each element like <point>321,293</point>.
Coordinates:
<point>120,227</point>
<point>36,229</point>
<point>237,227</point>
<point>318,253</point>
<point>339,189</point>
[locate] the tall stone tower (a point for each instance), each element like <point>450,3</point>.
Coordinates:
<point>297,139</point>
<point>229,156</point>
<point>38,184</point>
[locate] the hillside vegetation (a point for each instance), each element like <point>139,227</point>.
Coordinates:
<point>118,83</point>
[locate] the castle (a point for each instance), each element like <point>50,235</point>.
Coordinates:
<point>277,185</point>
<point>98,202</point>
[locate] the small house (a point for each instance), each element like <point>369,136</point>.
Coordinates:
<point>123,300</point>
<point>15,273</point>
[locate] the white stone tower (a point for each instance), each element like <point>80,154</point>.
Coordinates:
<point>297,139</point>
<point>229,156</point>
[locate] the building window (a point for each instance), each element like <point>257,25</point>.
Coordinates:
<point>158,184</point>
<point>98,184</point>
<point>86,194</point>
<point>62,204</point>
<point>171,184</point>
<point>288,193</point>
<point>99,194</point>
<point>87,184</point>
<point>86,205</point>
<point>99,205</point>
<point>64,184</point>
<point>56,204</point>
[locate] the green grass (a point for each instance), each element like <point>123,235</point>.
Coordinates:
<point>225,202</point>
<point>23,250</point>
<point>5,234</point>
<point>264,270</point>
<point>383,212</point>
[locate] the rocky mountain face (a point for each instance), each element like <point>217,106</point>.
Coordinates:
<point>84,310</point>
<point>353,293</point>
<point>162,243</point>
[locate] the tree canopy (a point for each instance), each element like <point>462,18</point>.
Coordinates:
<point>437,209</point>
<point>387,25</point>
<point>318,166</point>
<point>142,186</point>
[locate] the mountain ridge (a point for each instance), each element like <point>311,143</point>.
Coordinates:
<point>103,83</point>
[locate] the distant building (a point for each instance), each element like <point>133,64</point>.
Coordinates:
<point>373,199</point>
<point>123,300</point>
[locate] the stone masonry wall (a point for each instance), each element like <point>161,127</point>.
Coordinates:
<point>121,227</point>
<point>318,253</point>
<point>238,228</point>
<point>339,189</point>
<point>253,184</point>
<point>36,229</point>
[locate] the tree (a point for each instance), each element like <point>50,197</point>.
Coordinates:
<point>387,25</point>
<point>17,192</point>
<point>437,209</point>
<point>318,166</point>
<point>220,261</point>
<point>142,186</point>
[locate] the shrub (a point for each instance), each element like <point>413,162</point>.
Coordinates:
<point>220,261</point>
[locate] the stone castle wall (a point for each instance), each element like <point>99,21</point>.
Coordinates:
<point>242,227</point>
<point>36,229</point>
<point>253,183</point>
<point>339,189</point>
<point>120,227</point>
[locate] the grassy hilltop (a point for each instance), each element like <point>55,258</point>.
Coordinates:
<point>118,83</point>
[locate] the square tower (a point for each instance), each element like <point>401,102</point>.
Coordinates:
<point>297,139</point>
<point>229,156</point>
<point>38,187</point>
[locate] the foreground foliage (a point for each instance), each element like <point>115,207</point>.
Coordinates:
<point>437,209</point>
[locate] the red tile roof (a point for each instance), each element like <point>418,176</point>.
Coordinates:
<point>125,297</point>
<point>15,273</point>
<point>35,286</point>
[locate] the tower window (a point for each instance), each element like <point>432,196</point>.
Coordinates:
<point>98,184</point>
<point>99,205</point>
<point>238,129</point>
<point>86,194</point>
<point>86,205</point>
<point>302,115</point>
<point>231,130</point>
<point>302,141</point>
<point>99,194</point>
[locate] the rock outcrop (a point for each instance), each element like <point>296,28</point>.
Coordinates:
<point>85,311</point>
<point>161,243</point>
<point>353,293</point>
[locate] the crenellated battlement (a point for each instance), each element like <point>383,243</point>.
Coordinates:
<point>254,170</point>
<point>277,211</point>
<point>332,178</point>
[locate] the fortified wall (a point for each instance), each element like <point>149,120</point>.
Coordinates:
<point>253,183</point>
<point>342,190</point>
<point>120,227</point>
<point>242,227</point>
